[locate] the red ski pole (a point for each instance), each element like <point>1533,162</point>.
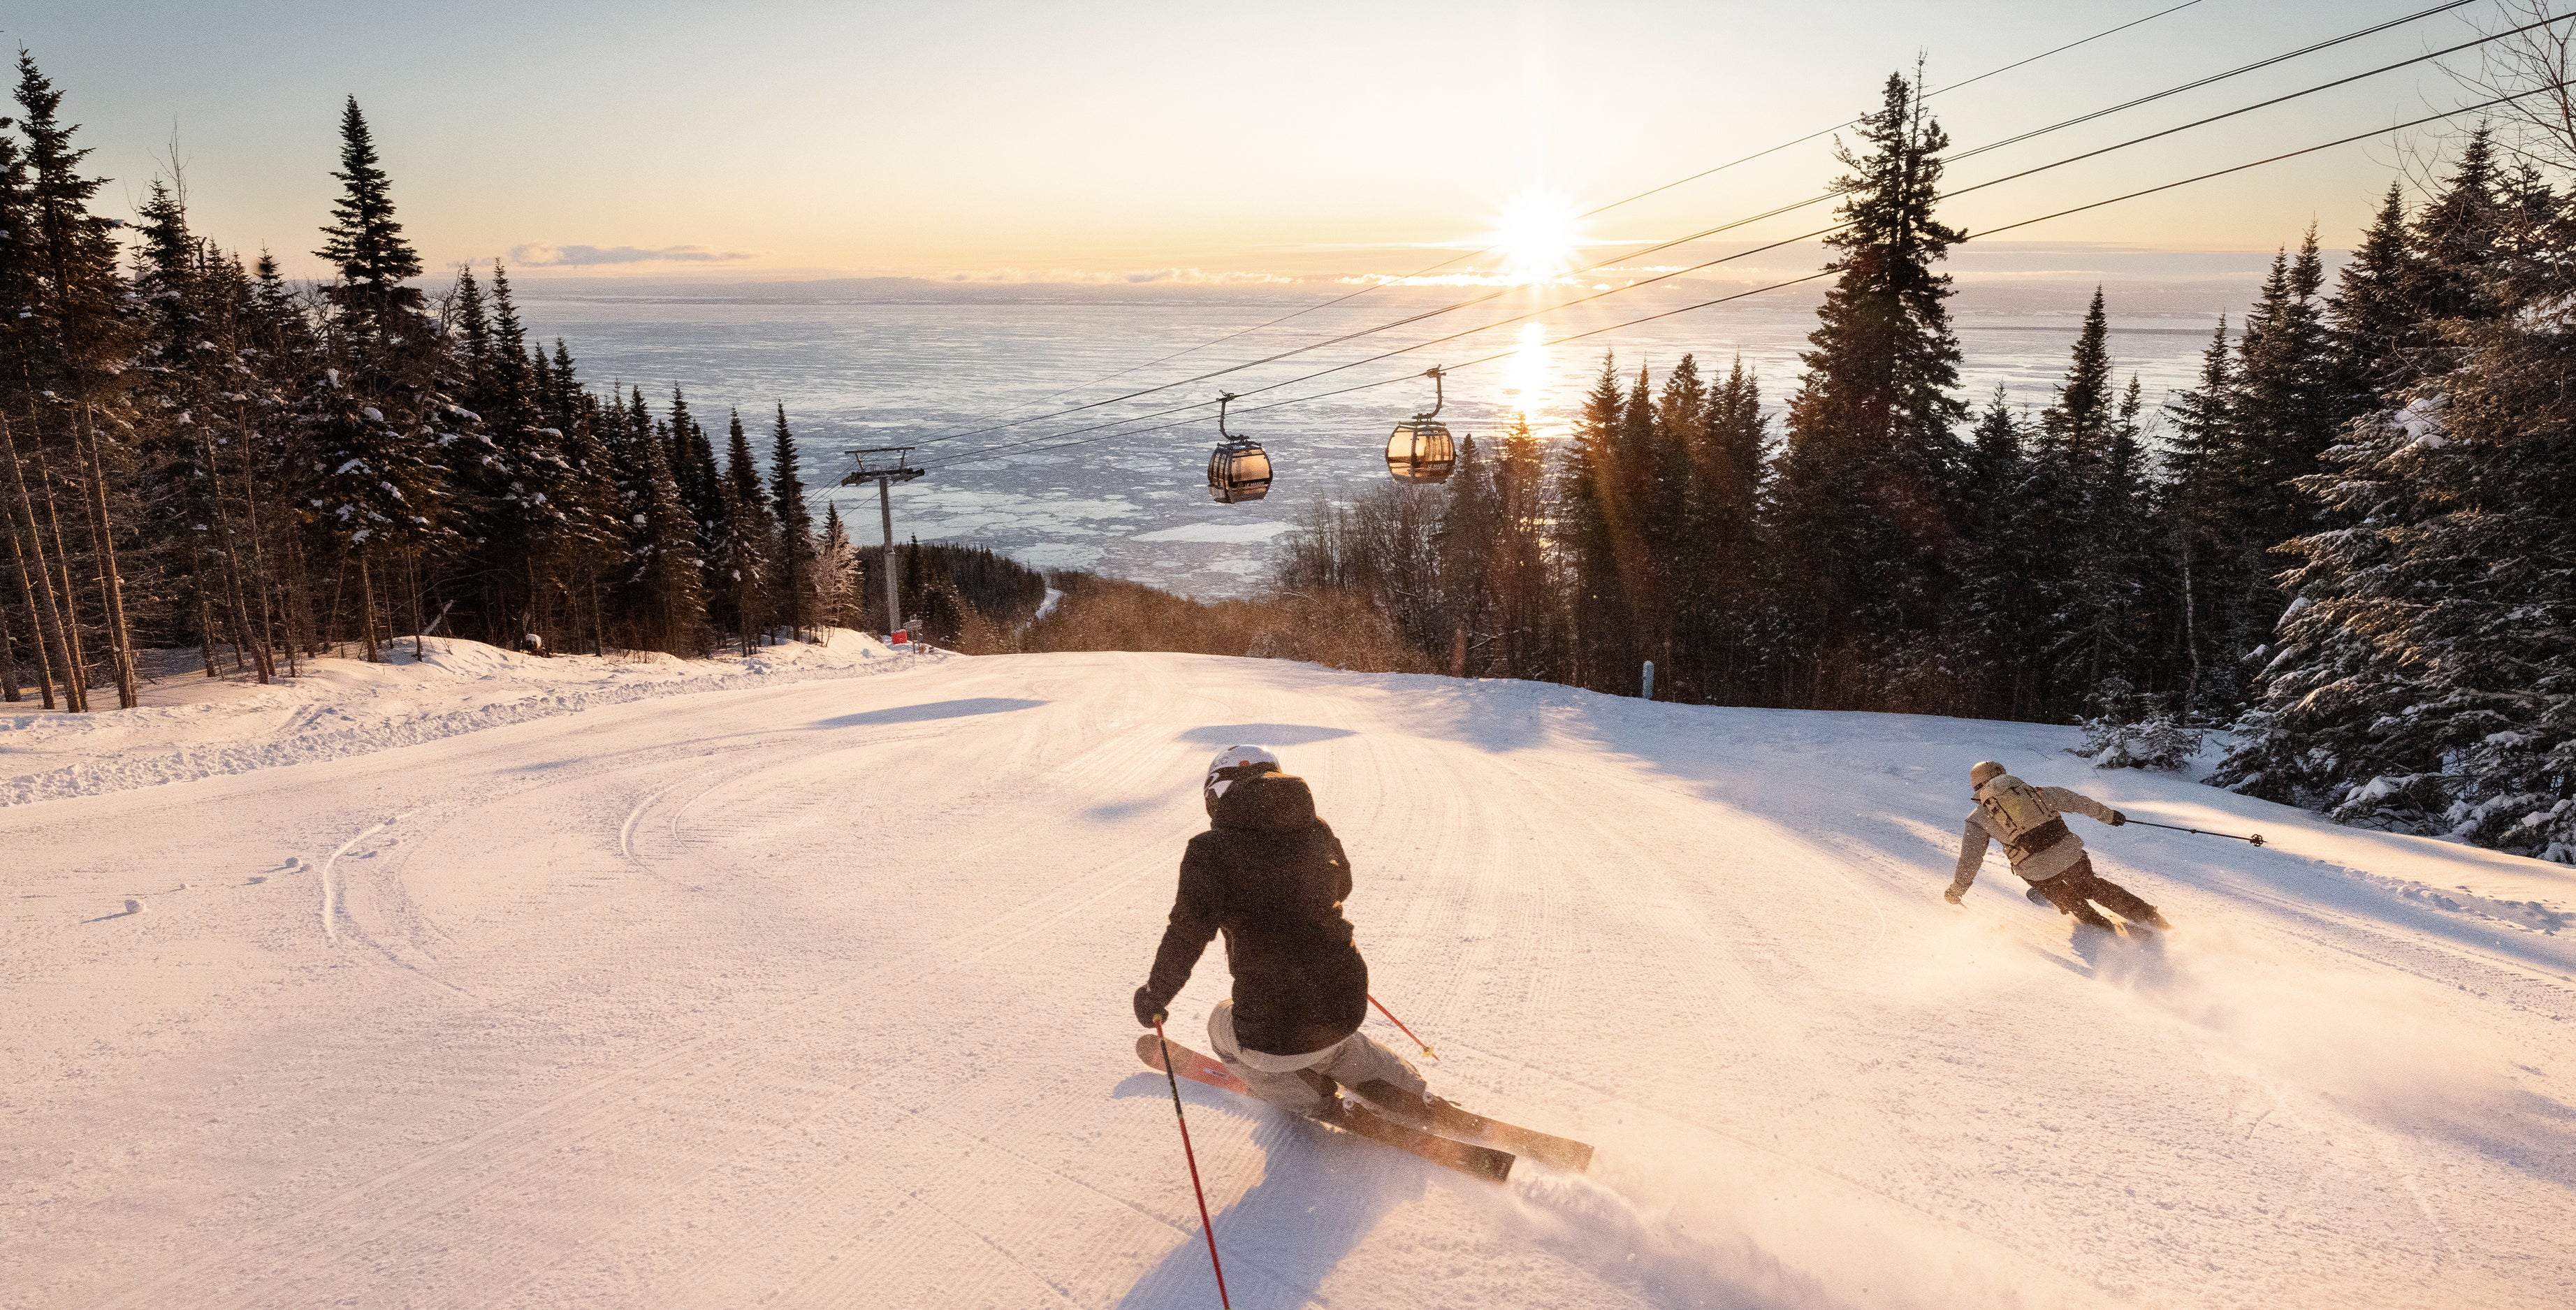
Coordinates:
<point>1399,1024</point>
<point>1192,1156</point>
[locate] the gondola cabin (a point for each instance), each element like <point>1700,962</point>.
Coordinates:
<point>1238,470</point>
<point>1421,451</point>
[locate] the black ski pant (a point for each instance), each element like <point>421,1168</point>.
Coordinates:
<point>2074,891</point>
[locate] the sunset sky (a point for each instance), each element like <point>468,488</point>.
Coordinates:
<point>1115,141</point>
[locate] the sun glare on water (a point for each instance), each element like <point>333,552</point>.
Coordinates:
<point>1538,235</point>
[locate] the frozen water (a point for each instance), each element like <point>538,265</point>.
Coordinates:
<point>1119,488</point>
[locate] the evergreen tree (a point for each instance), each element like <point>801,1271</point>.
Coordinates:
<point>1470,527</point>
<point>2117,565</point>
<point>1866,498</point>
<point>837,584</point>
<point>2454,242</point>
<point>1592,520</point>
<point>2371,321</point>
<point>2080,420</point>
<point>2239,486</point>
<point>73,372</point>
<point>794,553</point>
<point>375,260</point>
<point>670,596</point>
<point>1526,601</point>
<point>2194,498</point>
<point>1996,611</point>
<point>1722,623</point>
<point>743,540</point>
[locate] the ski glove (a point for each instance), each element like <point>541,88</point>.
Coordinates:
<point>2118,818</point>
<point>1149,1012</point>
<point>1954,893</point>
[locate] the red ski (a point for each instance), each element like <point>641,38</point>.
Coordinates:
<point>1477,1161</point>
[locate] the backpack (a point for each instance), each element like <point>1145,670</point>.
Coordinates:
<point>2023,817</point>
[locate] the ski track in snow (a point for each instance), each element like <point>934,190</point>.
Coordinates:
<point>815,993</point>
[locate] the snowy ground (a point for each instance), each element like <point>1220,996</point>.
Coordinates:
<point>817,994</point>
<point>191,726</point>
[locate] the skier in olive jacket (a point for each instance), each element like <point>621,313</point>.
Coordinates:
<point>1271,876</point>
<point>2047,855</point>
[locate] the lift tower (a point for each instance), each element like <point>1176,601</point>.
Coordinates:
<point>885,466</point>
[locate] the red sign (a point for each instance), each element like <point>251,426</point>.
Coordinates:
<point>900,638</point>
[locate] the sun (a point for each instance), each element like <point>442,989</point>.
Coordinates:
<point>1538,235</point>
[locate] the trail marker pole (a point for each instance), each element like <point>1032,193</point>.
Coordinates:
<point>885,466</point>
<point>1205,1225</point>
<point>1649,678</point>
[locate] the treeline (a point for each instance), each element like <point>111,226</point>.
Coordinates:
<point>2354,540</point>
<point>195,452</point>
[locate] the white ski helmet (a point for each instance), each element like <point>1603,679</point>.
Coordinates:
<point>1232,765</point>
<point>1983,771</point>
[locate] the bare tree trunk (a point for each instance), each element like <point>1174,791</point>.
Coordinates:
<point>28,576</point>
<point>8,662</point>
<point>120,640</point>
<point>206,636</point>
<point>367,609</point>
<point>35,585</point>
<point>75,657</point>
<point>2190,628</point>
<point>224,539</point>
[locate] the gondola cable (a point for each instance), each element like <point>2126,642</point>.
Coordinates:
<point>966,458</point>
<point>1632,285</point>
<point>1772,213</point>
<point>1597,210</point>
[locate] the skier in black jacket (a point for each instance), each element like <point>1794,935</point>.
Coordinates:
<point>1271,876</point>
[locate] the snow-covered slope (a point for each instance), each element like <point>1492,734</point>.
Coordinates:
<point>817,994</point>
<point>190,726</point>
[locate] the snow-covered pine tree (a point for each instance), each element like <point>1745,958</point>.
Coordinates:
<point>836,573</point>
<point>2426,673</point>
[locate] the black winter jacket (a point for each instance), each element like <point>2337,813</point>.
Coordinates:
<point>1271,876</point>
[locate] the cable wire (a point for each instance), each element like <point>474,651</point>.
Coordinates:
<point>1429,269</point>
<point>1773,213</point>
<point>974,457</point>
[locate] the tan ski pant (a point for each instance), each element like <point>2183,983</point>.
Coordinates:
<point>2074,891</point>
<point>1304,1083</point>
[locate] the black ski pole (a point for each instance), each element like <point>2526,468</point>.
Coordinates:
<point>1206,1225</point>
<point>2256,839</point>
